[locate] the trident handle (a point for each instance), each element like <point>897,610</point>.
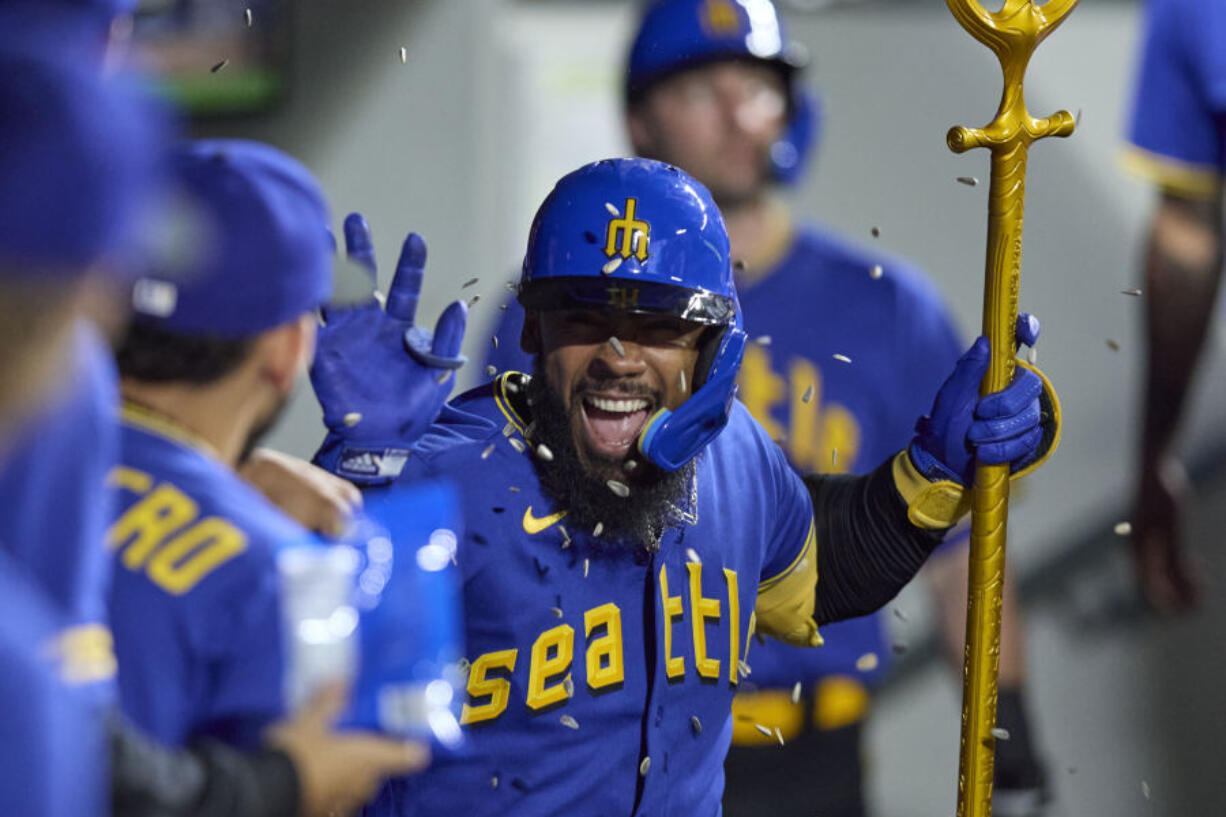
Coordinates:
<point>1013,33</point>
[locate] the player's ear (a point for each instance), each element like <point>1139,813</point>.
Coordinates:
<point>530,337</point>
<point>286,352</point>
<point>639,131</point>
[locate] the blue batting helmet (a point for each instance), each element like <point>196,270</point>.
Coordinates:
<point>645,237</point>
<point>677,35</point>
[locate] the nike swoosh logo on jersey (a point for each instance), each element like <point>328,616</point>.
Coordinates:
<point>533,524</point>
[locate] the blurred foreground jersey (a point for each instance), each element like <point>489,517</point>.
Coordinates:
<point>54,752</point>
<point>57,506</point>
<point>600,678</point>
<point>195,605</point>
<point>1178,132</point>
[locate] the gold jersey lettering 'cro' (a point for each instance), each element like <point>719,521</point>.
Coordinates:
<point>1013,34</point>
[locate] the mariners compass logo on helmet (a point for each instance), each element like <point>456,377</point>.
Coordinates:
<point>663,251</point>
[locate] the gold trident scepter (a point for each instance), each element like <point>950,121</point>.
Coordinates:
<point>1013,33</point>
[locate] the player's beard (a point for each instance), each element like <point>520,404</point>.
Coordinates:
<point>261,429</point>
<point>637,520</point>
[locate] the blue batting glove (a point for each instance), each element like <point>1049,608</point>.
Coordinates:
<point>380,379</point>
<point>1009,426</point>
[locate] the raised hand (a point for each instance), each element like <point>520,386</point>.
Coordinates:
<point>380,379</point>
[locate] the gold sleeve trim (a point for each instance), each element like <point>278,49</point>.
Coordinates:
<point>930,505</point>
<point>1172,175</point>
<point>784,608</point>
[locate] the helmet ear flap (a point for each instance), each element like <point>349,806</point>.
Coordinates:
<point>789,155</point>
<point>708,348</point>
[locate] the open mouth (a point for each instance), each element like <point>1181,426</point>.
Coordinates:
<point>612,422</point>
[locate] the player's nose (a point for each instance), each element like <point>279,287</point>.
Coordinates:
<point>617,358</point>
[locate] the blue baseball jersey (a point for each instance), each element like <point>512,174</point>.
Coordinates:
<point>1178,130</point>
<point>895,343</point>
<point>828,414</point>
<point>57,506</point>
<point>600,678</point>
<point>195,605</point>
<point>55,751</point>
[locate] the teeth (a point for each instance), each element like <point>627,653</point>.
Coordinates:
<point>617,406</point>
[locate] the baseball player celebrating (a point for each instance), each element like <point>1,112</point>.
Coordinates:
<point>850,345</point>
<point>630,526</point>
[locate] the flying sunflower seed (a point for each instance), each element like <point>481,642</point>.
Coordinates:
<point>219,66</point>
<point>463,666</point>
<point>876,272</point>
<point>779,736</point>
<point>508,429</point>
<point>473,301</point>
<point>512,387</point>
<point>763,729</point>
<point>842,358</point>
<point>644,766</point>
<point>681,231</point>
<point>899,647</point>
<point>867,662</point>
<point>969,181</point>
<point>808,395</point>
<point>404,55</point>
<point>514,490</point>
<point>899,614</point>
<point>876,232</point>
<point>1123,528</point>
<point>565,536</point>
<point>568,722</point>
<point>494,340</point>
<point>834,457</point>
<point>503,307</point>
<point>796,693</point>
<point>469,282</point>
<point>696,724</point>
<point>494,782</point>
<point>608,205</point>
<point>489,449</point>
<point>1145,789</point>
<point>557,611</point>
<point>586,564</point>
<point>692,555</point>
<point>568,684</point>
<point>599,529</point>
<point>619,488</point>
<point>743,668</point>
<point>512,286</point>
<point>763,340</point>
<point>999,733</point>
<point>352,419</point>
<point>1113,345</point>
<point>610,267</point>
<point>683,383</point>
<point>630,465</point>
<point>247,18</point>
<point>517,444</point>
<point>543,451</point>
<point>617,346</point>
<point>442,377</point>
<point>491,370</point>
<point>1133,292</point>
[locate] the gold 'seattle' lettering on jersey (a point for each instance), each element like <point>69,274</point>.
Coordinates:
<point>587,656</point>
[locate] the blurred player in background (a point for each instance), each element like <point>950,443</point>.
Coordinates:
<point>850,345</point>
<point>629,525</point>
<point>1178,141</point>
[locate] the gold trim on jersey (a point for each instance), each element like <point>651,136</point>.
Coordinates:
<point>155,422</point>
<point>784,608</point>
<point>1186,179</point>
<point>503,399</point>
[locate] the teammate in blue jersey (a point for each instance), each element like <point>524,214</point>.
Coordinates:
<point>629,526</point>
<point>74,150</point>
<point>1178,142</point>
<point>851,345</point>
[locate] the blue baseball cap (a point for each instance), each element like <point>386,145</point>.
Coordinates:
<point>80,154</point>
<point>262,254</point>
